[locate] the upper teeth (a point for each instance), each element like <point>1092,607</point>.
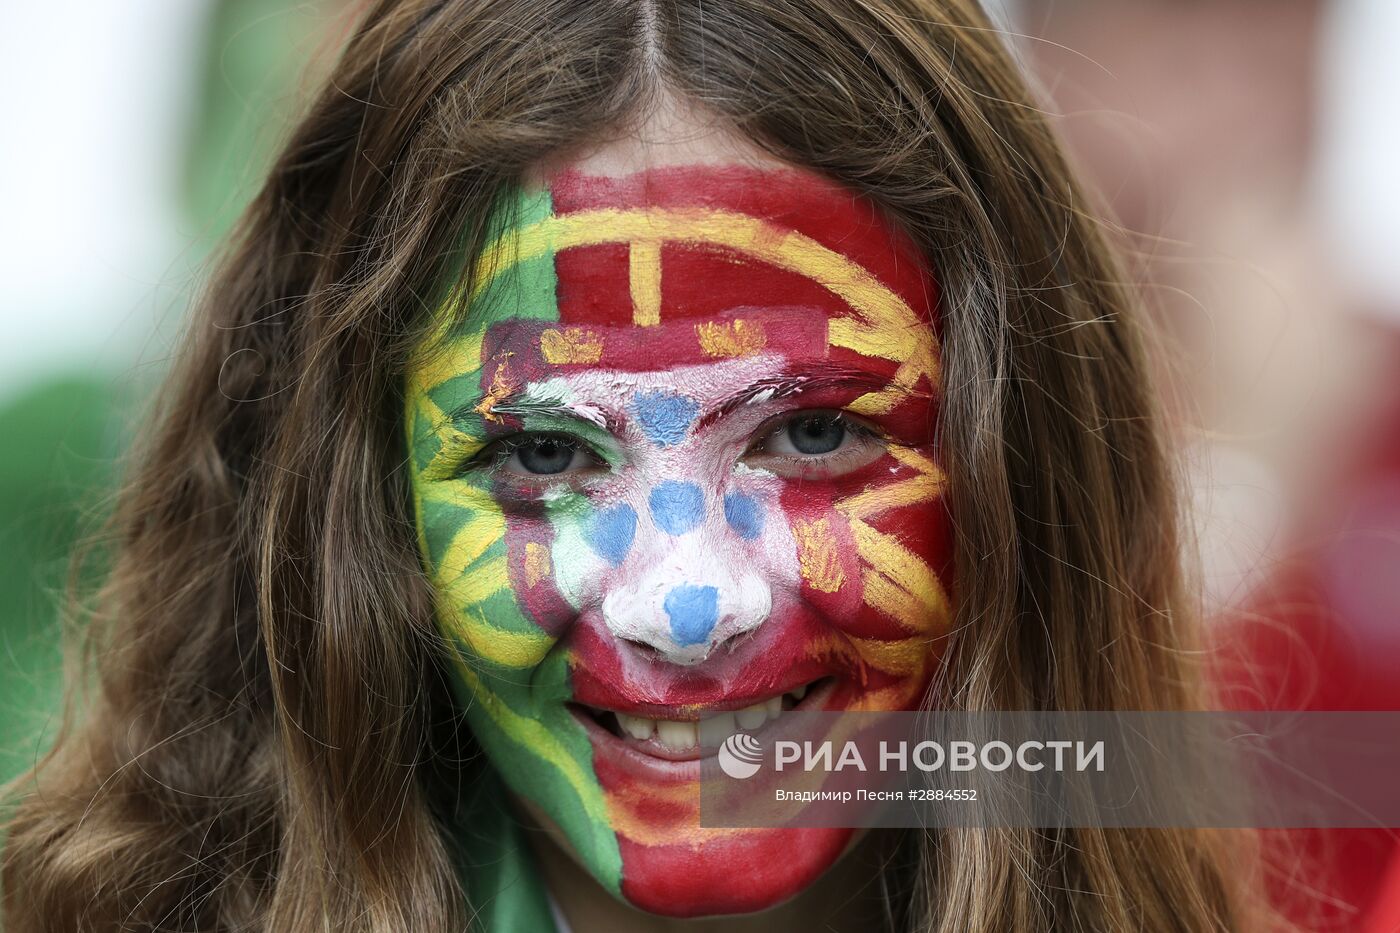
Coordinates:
<point>711,730</point>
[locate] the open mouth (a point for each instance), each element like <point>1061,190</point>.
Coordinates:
<point>702,730</point>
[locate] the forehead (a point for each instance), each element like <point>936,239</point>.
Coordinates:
<point>687,243</point>
<point>678,266</point>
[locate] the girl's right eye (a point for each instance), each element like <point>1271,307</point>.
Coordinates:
<point>541,455</point>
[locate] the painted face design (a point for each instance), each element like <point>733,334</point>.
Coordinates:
<point>675,474</point>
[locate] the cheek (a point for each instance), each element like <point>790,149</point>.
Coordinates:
<point>483,572</point>
<point>875,561</point>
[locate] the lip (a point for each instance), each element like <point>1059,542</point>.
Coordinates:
<point>652,758</point>
<point>795,647</point>
<point>693,702</point>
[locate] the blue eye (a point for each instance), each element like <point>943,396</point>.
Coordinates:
<point>539,454</point>
<point>814,444</point>
<point>544,456</point>
<point>816,434</point>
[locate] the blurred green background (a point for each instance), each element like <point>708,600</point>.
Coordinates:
<point>235,72</point>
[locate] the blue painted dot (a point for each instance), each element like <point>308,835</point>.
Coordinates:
<point>744,514</point>
<point>611,531</point>
<point>692,610</point>
<point>677,507</point>
<point>664,417</point>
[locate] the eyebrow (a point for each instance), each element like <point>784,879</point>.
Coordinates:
<point>517,404</point>
<point>794,382</point>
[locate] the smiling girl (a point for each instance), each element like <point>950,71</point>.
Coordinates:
<point>588,380</point>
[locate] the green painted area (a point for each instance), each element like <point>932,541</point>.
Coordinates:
<point>526,290</point>
<point>456,398</point>
<point>425,445</point>
<point>442,518</point>
<point>516,712</point>
<point>533,770</point>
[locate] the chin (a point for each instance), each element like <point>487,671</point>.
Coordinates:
<point>748,871</point>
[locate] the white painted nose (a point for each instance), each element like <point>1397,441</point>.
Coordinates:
<point>693,588</point>
<point>685,611</point>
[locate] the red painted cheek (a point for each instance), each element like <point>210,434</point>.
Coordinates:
<point>835,574</point>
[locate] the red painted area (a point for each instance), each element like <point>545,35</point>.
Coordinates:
<point>535,593</point>
<point>926,535</point>
<point>699,282</point>
<point>796,332</point>
<point>728,872</point>
<point>754,872</point>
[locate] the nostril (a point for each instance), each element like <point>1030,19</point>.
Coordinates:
<point>733,641</point>
<point>642,648</point>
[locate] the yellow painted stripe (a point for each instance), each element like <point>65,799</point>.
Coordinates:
<point>644,281</point>
<point>427,408</point>
<point>477,533</point>
<point>818,558</point>
<point>458,495</point>
<point>438,362</point>
<point>410,409</point>
<point>631,819</point>
<point>900,658</point>
<point>720,339</point>
<point>457,447</point>
<point>786,249</point>
<point>898,696</point>
<point>905,569</point>
<point>894,601</point>
<point>571,345</point>
<point>884,343</point>
<point>519,650</point>
<point>915,460</point>
<point>880,499</point>
<point>484,581</point>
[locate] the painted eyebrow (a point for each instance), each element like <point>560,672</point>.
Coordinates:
<point>520,406</point>
<point>794,382</point>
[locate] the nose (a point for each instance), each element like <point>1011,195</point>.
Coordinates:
<point>691,586</point>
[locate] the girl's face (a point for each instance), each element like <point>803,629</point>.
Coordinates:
<point>673,476</point>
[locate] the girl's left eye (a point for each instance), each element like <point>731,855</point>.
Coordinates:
<point>815,444</point>
<point>809,436</point>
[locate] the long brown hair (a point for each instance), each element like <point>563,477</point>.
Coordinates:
<point>254,754</point>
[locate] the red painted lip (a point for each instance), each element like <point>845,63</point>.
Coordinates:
<point>652,760</point>
<point>698,705</point>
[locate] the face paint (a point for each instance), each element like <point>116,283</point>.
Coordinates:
<point>675,473</point>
